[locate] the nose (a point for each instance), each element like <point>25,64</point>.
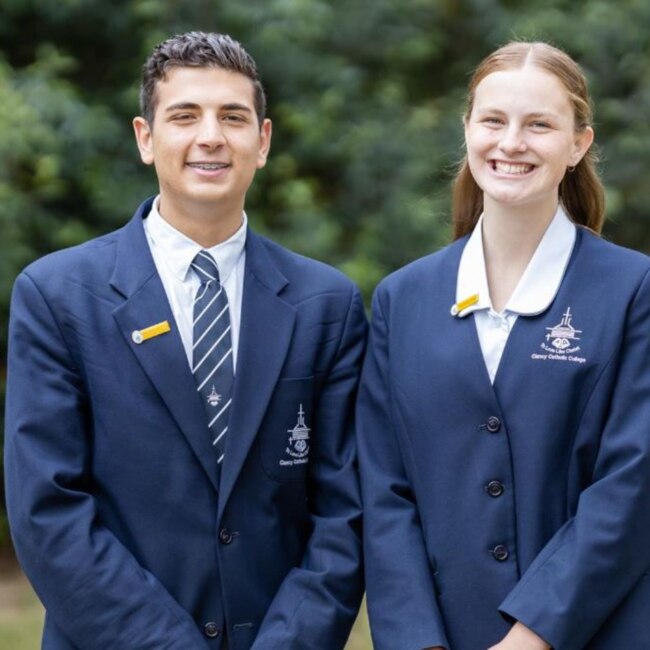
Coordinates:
<point>512,140</point>
<point>210,134</point>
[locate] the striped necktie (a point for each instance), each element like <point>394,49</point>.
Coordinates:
<point>212,349</point>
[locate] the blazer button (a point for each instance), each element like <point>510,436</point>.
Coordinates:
<point>494,488</point>
<point>493,424</point>
<point>225,536</point>
<point>211,630</point>
<point>500,552</point>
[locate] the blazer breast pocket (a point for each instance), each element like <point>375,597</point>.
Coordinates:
<point>286,432</point>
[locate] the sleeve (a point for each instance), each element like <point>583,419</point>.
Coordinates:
<point>94,590</point>
<point>318,601</point>
<point>591,563</point>
<point>400,591</point>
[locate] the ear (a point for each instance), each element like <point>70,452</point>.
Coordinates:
<point>144,140</point>
<point>265,143</point>
<point>582,142</point>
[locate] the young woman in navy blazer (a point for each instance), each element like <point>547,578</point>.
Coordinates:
<point>504,412</point>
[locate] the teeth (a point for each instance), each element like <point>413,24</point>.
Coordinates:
<point>510,168</point>
<point>208,166</point>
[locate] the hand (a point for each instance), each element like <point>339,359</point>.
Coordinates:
<point>521,637</point>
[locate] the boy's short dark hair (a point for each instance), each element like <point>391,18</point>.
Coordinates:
<point>199,50</point>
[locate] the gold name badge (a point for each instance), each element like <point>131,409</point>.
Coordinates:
<point>139,336</point>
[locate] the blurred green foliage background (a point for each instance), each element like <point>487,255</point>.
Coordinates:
<point>365,95</point>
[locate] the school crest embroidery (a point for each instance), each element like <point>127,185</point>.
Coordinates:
<point>561,342</point>
<point>563,335</point>
<point>214,398</point>
<point>298,443</point>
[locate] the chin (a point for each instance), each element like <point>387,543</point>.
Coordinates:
<point>506,199</point>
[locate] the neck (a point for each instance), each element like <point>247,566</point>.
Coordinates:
<point>207,226</point>
<point>510,238</point>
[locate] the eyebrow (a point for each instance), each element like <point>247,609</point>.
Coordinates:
<point>543,113</point>
<point>182,106</point>
<point>236,107</point>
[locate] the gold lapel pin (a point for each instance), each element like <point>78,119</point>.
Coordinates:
<point>464,304</point>
<point>139,336</point>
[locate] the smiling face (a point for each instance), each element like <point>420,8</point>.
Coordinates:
<point>206,144</point>
<point>521,138</point>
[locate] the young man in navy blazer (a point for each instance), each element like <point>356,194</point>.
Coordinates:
<point>138,527</point>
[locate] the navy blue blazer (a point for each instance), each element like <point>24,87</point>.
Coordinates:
<point>528,499</point>
<point>112,495</point>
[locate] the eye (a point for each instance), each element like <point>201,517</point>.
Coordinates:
<point>182,117</point>
<point>492,122</point>
<point>237,118</point>
<point>540,125</point>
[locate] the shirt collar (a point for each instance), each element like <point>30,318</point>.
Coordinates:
<point>539,283</point>
<point>179,251</point>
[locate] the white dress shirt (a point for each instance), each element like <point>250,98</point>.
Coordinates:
<point>535,291</point>
<point>173,253</point>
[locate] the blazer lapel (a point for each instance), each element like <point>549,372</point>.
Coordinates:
<point>267,325</point>
<point>162,357</point>
<point>452,340</point>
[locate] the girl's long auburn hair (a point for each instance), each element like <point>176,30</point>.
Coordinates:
<point>581,191</point>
